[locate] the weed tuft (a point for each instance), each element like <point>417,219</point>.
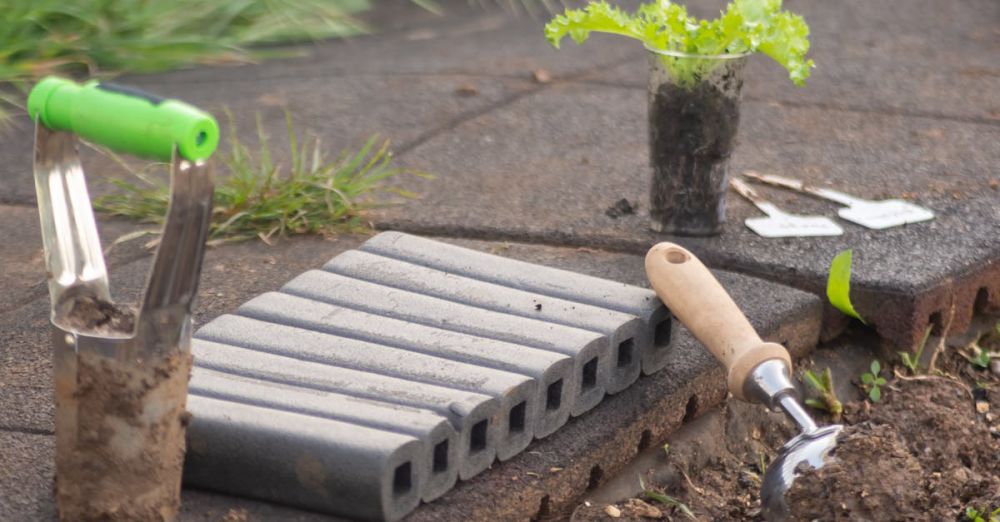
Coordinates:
<point>262,199</point>
<point>979,353</point>
<point>666,500</point>
<point>975,515</point>
<point>827,401</point>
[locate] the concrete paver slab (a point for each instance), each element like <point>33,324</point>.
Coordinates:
<point>606,437</point>
<point>930,58</point>
<point>343,109</point>
<point>230,276</point>
<point>28,463</point>
<point>871,83</point>
<point>498,180</point>
<point>487,43</point>
<point>23,260</point>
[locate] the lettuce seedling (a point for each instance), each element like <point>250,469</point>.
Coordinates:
<point>746,26</point>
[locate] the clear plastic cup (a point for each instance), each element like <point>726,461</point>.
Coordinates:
<point>694,112</point>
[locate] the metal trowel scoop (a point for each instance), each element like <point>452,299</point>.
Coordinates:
<point>757,371</point>
<point>779,223</point>
<point>876,215</point>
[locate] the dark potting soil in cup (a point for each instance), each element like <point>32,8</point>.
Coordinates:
<point>692,133</point>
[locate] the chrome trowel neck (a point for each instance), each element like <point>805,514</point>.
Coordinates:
<point>770,384</point>
<point>791,406</point>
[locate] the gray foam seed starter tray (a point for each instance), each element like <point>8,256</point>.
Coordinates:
<point>376,383</point>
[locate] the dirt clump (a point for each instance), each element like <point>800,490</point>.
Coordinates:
<point>120,438</point>
<point>928,451</point>
<point>98,317</point>
<point>633,509</point>
<point>872,476</point>
<point>931,418</point>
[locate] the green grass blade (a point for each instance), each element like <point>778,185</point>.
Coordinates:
<point>260,198</point>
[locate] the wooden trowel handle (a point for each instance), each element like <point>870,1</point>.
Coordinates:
<point>697,299</point>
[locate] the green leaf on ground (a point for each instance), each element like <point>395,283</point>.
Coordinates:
<point>838,285</point>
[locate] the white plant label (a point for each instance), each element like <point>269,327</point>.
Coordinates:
<point>793,226</point>
<point>889,213</point>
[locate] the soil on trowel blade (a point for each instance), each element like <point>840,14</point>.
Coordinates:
<point>121,457</point>
<point>98,317</point>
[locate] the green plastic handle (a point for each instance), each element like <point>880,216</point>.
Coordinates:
<point>124,119</point>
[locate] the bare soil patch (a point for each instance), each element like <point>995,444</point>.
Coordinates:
<point>929,450</point>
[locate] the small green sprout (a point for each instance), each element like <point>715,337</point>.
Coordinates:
<point>912,360</point>
<point>872,382</point>
<point>974,515</point>
<point>666,500</point>
<point>980,358</point>
<point>827,401</point>
<point>762,463</point>
<point>979,355</point>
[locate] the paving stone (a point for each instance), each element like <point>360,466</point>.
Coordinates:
<point>591,351</point>
<point>27,463</point>
<point>23,261</point>
<point>871,83</point>
<point>553,472</point>
<point>231,275</point>
<point>556,190</point>
<point>343,109</point>
<point>519,395</point>
<point>607,437</point>
<point>622,330</point>
<point>875,56</point>
<point>487,43</point>
<point>558,375</point>
<point>438,438</point>
<point>561,284</point>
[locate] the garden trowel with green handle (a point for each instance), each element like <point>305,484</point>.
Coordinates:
<point>876,215</point>
<point>120,378</point>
